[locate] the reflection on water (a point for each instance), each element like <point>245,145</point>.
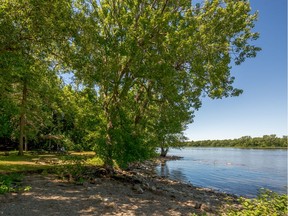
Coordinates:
<point>176,174</point>
<point>164,170</point>
<point>238,171</point>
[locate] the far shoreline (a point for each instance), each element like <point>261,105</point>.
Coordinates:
<point>235,147</point>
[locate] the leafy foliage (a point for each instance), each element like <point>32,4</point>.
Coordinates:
<point>267,203</point>
<point>148,58</point>
<point>139,70</point>
<point>12,183</point>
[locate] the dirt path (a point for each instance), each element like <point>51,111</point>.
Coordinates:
<point>128,193</point>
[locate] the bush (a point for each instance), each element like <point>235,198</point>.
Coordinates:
<point>267,203</point>
<point>11,183</point>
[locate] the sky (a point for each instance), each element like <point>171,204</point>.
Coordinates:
<point>262,108</point>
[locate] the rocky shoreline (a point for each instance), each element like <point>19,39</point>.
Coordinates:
<point>202,199</point>
<point>134,191</point>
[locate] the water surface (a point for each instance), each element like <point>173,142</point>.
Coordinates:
<point>231,170</point>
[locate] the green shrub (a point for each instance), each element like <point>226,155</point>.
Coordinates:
<point>12,183</point>
<point>267,203</point>
<point>72,168</point>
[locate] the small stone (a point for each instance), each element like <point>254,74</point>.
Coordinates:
<point>138,189</point>
<point>205,207</point>
<point>97,181</point>
<point>147,185</point>
<point>173,196</point>
<point>174,207</point>
<point>85,184</point>
<point>50,184</point>
<point>112,205</point>
<point>198,205</point>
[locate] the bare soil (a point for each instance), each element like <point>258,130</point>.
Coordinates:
<point>136,191</point>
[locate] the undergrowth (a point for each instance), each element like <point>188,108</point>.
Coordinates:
<point>12,183</point>
<point>267,203</point>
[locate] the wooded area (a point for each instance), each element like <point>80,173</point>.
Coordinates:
<point>267,141</point>
<point>138,71</point>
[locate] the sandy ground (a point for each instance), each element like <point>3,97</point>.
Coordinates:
<point>134,192</point>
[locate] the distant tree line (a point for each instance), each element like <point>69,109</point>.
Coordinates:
<point>267,141</point>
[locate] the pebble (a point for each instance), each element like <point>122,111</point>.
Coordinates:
<point>138,188</point>
<point>198,205</point>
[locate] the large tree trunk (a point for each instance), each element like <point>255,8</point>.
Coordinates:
<point>108,160</point>
<point>25,143</point>
<point>23,118</point>
<point>164,151</point>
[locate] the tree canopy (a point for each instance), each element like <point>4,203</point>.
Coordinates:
<point>140,68</point>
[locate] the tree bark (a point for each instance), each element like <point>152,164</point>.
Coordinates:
<point>108,161</point>
<point>23,118</point>
<point>164,151</point>
<point>25,143</point>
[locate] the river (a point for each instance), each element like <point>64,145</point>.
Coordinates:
<point>236,171</point>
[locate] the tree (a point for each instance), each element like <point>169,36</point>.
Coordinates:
<point>140,54</point>
<point>79,121</point>
<point>30,34</point>
<point>170,124</point>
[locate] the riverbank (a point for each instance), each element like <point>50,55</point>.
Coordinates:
<point>135,191</point>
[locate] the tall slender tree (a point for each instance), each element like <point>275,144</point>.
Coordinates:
<point>29,36</point>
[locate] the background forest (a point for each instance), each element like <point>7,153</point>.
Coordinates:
<point>138,71</point>
<point>267,141</point>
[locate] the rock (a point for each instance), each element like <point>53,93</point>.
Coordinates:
<point>146,185</point>
<point>205,207</point>
<point>198,205</point>
<point>85,184</point>
<point>153,188</point>
<point>106,199</point>
<point>171,190</point>
<point>111,205</point>
<point>137,180</point>
<point>173,196</point>
<point>51,184</point>
<point>138,189</point>
<point>95,181</point>
<point>174,207</point>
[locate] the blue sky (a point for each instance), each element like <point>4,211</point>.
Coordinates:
<point>262,108</point>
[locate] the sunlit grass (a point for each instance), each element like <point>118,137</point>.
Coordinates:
<point>9,168</point>
<point>87,153</point>
<point>95,161</point>
<point>31,162</point>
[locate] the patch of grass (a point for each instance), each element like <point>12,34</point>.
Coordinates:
<point>87,153</point>
<point>11,168</point>
<point>27,162</point>
<point>76,168</point>
<point>14,157</point>
<point>32,162</point>
<point>73,167</point>
<point>95,161</point>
